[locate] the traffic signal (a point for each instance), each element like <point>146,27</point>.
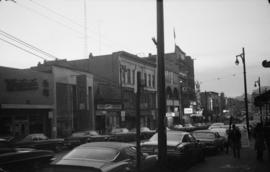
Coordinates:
<point>266,63</point>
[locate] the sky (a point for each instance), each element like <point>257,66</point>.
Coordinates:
<point>212,32</point>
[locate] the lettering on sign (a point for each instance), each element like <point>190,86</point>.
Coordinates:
<point>21,84</point>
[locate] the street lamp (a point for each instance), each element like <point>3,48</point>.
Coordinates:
<point>258,83</point>
<point>242,56</point>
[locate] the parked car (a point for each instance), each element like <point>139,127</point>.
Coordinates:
<point>22,159</point>
<point>105,157</point>
<point>40,141</point>
<point>122,135</point>
<point>81,137</point>
<point>146,133</point>
<point>216,125</point>
<point>182,147</point>
<point>212,140</point>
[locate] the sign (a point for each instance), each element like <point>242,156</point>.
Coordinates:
<point>109,107</point>
<point>188,110</point>
<point>21,84</point>
<point>123,115</point>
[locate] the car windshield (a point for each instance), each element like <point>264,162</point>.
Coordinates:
<point>203,135</point>
<point>170,136</point>
<point>93,153</point>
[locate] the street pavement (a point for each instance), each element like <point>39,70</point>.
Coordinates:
<point>223,162</point>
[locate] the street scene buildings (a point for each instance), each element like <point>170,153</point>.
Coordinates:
<point>106,86</point>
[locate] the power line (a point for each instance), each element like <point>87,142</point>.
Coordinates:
<point>23,49</point>
<point>61,23</point>
<point>72,21</point>
<point>7,35</point>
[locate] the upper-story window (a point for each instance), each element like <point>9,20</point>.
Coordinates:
<point>153,81</point>
<point>128,76</point>
<point>145,79</point>
<point>149,80</point>
<point>133,77</point>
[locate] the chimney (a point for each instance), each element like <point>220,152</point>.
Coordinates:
<point>91,56</point>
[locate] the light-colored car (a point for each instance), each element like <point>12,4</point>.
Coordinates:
<point>216,125</point>
<point>105,157</point>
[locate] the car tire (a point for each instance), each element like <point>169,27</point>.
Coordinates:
<point>202,156</point>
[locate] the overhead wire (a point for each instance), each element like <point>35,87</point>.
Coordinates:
<point>61,23</point>
<point>23,49</point>
<point>68,19</point>
<point>9,36</point>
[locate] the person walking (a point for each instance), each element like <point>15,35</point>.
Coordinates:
<point>259,141</point>
<point>235,141</point>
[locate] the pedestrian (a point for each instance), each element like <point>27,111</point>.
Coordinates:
<point>236,141</point>
<point>228,140</point>
<point>259,141</point>
<point>267,136</point>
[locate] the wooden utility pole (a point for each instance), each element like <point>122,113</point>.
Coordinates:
<point>162,138</point>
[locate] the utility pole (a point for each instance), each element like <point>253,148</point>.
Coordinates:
<point>259,85</point>
<point>242,56</point>
<point>138,117</point>
<point>162,137</point>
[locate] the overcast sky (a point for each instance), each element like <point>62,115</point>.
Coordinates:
<point>212,32</point>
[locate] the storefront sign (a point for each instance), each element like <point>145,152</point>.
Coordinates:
<point>21,84</point>
<point>188,110</point>
<point>109,107</point>
<point>123,115</point>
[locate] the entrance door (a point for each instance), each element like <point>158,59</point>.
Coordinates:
<point>21,128</point>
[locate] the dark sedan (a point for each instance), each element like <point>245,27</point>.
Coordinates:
<point>40,141</point>
<point>212,140</point>
<point>22,159</point>
<point>104,157</point>
<point>181,147</point>
<point>82,137</point>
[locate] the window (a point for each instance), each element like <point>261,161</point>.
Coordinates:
<point>128,76</point>
<point>145,79</point>
<point>149,80</point>
<point>154,81</point>
<point>133,77</point>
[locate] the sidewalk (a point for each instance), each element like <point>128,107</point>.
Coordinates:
<point>226,163</point>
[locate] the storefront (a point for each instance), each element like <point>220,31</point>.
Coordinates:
<point>25,102</point>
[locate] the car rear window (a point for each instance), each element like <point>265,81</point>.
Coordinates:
<point>93,153</point>
<point>170,137</point>
<point>203,135</point>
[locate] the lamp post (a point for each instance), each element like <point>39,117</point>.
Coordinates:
<point>242,56</point>
<point>258,83</point>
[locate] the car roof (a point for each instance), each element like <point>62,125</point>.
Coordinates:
<point>114,145</point>
<point>204,131</point>
<point>174,131</point>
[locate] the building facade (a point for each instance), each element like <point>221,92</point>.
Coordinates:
<point>73,107</point>
<point>26,102</point>
<point>115,89</point>
<point>179,83</point>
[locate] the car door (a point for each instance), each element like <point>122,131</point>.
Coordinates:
<point>187,150</point>
<point>196,150</point>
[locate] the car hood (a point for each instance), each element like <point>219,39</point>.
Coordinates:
<point>83,163</point>
<point>155,143</point>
